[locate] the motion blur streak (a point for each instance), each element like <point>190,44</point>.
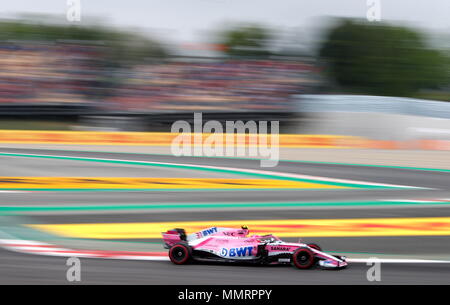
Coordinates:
<point>284,228</point>
<point>89,96</point>
<point>413,235</point>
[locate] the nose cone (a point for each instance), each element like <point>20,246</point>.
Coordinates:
<point>337,263</point>
<point>342,264</point>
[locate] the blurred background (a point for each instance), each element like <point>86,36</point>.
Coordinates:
<point>78,78</point>
<point>109,71</point>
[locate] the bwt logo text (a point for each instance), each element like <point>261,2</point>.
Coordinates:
<point>233,252</point>
<point>237,139</point>
<point>207,232</point>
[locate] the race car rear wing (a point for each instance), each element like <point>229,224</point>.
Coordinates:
<point>171,237</point>
<point>174,236</point>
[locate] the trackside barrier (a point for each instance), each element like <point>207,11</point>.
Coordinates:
<point>167,138</point>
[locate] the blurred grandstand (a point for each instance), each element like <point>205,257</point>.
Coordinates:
<point>70,79</point>
<point>94,77</point>
<point>221,85</point>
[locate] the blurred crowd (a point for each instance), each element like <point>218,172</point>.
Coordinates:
<point>43,73</point>
<point>233,85</point>
<point>69,73</point>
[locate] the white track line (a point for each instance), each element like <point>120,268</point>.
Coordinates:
<point>397,260</point>
<point>418,200</point>
<point>40,248</point>
<point>243,170</point>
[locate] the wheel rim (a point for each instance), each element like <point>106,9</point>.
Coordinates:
<point>179,254</point>
<point>303,258</point>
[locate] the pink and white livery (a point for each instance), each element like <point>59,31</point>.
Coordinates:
<point>236,246</point>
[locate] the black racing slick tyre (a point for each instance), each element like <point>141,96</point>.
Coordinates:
<point>315,246</point>
<point>180,254</point>
<point>303,258</point>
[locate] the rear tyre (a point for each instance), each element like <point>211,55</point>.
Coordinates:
<point>180,254</point>
<point>315,246</point>
<point>303,258</point>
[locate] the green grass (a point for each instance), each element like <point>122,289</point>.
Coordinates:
<point>437,96</point>
<point>35,125</point>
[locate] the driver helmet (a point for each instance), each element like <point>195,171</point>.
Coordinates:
<point>245,230</point>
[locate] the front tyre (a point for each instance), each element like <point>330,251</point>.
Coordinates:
<point>315,246</point>
<point>303,258</point>
<point>180,254</point>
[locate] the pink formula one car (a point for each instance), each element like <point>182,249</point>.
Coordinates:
<point>235,246</point>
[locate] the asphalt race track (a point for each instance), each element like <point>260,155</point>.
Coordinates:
<point>425,195</point>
